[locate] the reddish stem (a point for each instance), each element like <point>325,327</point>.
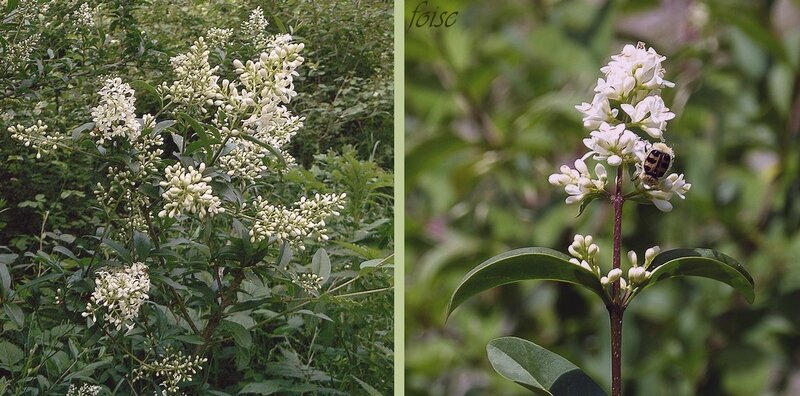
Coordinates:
<point>615,309</point>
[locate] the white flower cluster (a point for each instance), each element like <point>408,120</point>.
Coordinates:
<point>84,16</point>
<point>219,37</point>
<point>120,292</point>
<point>122,191</point>
<point>85,390</point>
<point>311,283</point>
<point>255,29</point>
<point>578,182</point>
<point>173,368</point>
<point>196,84</point>
<point>257,108</point>
<point>625,113</point>
<point>116,113</point>
<point>674,184</point>
<point>305,220</point>
<point>37,137</point>
<point>18,54</point>
<point>188,191</point>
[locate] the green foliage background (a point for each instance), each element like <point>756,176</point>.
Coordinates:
<point>489,115</point>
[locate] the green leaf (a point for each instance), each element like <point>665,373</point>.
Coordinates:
<point>15,313</point>
<point>524,264</point>
<point>10,353</point>
<point>76,133</point>
<point>141,85</point>
<point>163,125</point>
<point>367,387</point>
<point>5,278</point>
<point>586,201</point>
<point>321,264</point>
<point>121,251</point>
<point>241,336</point>
<point>539,370</point>
<point>141,245</point>
<point>265,388</point>
<point>269,147</point>
<point>194,124</point>
<point>705,263</point>
<point>285,255</point>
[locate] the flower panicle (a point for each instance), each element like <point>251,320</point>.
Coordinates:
<point>626,118</point>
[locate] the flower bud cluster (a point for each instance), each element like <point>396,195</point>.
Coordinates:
<point>305,220</point>
<point>626,113</point>
<point>18,54</point>
<point>188,191</point>
<point>37,137</point>
<point>255,29</point>
<point>85,390</point>
<point>195,84</point>
<point>119,293</point>
<point>116,114</point>
<point>219,37</point>
<point>173,368</point>
<point>311,283</point>
<point>585,253</point>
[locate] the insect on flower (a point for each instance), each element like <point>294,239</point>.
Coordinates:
<point>656,164</point>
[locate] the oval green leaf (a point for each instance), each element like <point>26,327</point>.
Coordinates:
<point>541,371</point>
<point>524,264</point>
<point>704,263</point>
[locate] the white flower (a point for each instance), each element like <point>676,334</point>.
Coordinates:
<point>633,68</point>
<point>639,274</point>
<point>650,254</point>
<point>597,112</point>
<point>18,54</point>
<point>116,113</point>
<point>84,16</point>
<point>173,368</point>
<point>196,84</point>
<point>614,144</point>
<point>85,390</point>
<point>578,182</point>
<point>255,29</point>
<point>37,137</point>
<point>585,252</point>
<point>305,220</point>
<point>120,293</point>
<point>660,195</point>
<point>650,114</point>
<point>311,283</point>
<point>256,108</point>
<point>188,191</point>
<point>218,37</point>
<point>613,276</point>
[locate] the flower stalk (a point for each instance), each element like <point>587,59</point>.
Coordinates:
<point>627,119</point>
<point>616,309</point>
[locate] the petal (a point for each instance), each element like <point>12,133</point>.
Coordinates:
<point>662,205</point>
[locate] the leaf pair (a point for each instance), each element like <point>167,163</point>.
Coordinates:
<point>545,372</point>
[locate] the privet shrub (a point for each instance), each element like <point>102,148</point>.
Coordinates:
<point>211,263</point>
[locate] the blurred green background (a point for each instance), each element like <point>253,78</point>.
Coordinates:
<point>489,115</point>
